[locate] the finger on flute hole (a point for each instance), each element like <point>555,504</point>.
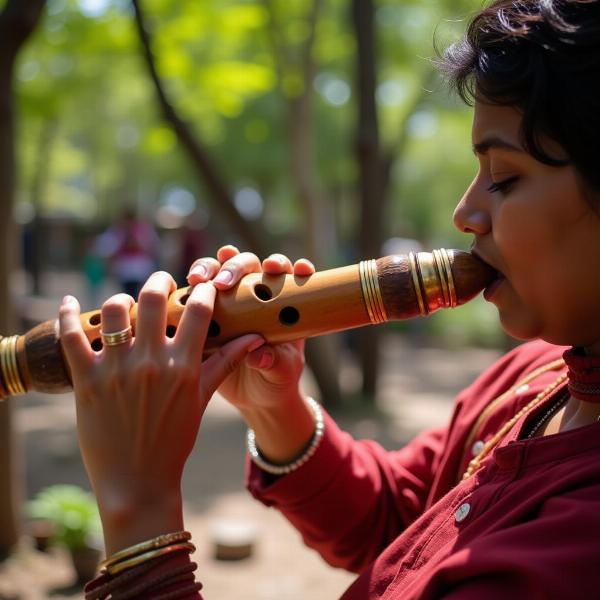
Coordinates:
<point>226,252</point>
<point>203,269</point>
<point>303,267</point>
<point>262,358</point>
<point>277,264</point>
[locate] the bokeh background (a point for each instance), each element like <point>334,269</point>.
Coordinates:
<point>163,129</point>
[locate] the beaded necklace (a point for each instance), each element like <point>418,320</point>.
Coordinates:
<point>583,384</point>
<point>556,406</point>
<point>499,435</point>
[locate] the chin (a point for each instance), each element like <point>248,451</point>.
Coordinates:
<point>521,328</point>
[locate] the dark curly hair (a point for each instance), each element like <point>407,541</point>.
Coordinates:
<point>543,57</point>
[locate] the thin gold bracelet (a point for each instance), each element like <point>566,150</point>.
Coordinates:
<point>158,542</point>
<point>124,565</point>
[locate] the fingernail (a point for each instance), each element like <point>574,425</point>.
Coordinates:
<point>66,300</point>
<point>199,270</point>
<point>256,344</point>
<point>224,277</point>
<point>266,360</point>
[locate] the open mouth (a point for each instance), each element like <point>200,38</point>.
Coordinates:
<point>496,281</point>
<point>494,285</point>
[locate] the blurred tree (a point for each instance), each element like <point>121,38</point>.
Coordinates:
<point>203,164</point>
<point>295,65</point>
<point>375,159</point>
<point>18,19</point>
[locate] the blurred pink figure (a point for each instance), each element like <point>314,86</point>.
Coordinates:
<point>132,247</point>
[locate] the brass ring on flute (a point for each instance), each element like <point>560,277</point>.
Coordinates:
<point>449,278</point>
<point>365,290</point>
<point>10,367</point>
<point>371,292</point>
<point>373,285</point>
<point>440,267</point>
<point>378,294</point>
<point>117,338</point>
<point>412,259</point>
<point>430,281</point>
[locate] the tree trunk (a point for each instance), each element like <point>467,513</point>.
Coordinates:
<point>17,22</point>
<point>322,354</point>
<point>372,174</point>
<point>38,190</point>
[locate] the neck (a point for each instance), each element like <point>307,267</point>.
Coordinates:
<point>583,407</point>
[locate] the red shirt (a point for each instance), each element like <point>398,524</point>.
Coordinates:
<point>526,525</point>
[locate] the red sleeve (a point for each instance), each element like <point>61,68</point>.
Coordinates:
<point>353,497</point>
<point>538,559</point>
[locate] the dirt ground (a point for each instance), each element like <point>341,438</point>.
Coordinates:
<point>416,391</point>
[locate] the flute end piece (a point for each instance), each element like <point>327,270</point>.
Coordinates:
<point>470,274</point>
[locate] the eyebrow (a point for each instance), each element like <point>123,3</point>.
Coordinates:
<point>494,142</point>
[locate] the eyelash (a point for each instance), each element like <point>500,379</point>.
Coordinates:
<point>502,186</point>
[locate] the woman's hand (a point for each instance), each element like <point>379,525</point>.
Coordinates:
<point>265,387</point>
<point>140,403</point>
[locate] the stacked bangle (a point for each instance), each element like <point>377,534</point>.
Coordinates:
<point>257,458</point>
<point>157,567</point>
<point>145,551</point>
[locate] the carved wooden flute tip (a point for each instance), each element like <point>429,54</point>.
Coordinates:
<point>471,275</point>
<point>422,283</point>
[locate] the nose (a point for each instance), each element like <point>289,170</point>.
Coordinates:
<point>471,214</point>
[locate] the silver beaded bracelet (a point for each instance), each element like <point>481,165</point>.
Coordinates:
<point>258,460</point>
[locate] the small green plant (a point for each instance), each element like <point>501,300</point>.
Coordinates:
<point>74,513</point>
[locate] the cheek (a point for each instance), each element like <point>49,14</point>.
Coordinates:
<point>535,261</point>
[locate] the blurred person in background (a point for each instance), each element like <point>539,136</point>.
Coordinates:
<point>504,501</point>
<point>93,267</point>
<point>131,247</point>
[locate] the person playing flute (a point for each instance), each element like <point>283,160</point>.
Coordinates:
<point>502,502</point>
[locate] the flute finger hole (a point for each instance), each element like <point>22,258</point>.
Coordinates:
<point>289,316</point>
<point>170,332</point>
<point>263,292</point>
<point>214,330</point>
<point>183,300</point>
<point>96,344</point>
<point>95,319</point>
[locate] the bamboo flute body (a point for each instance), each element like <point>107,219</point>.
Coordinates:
<point>281,308</point>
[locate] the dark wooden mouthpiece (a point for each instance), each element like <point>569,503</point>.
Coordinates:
<point>470,276</point>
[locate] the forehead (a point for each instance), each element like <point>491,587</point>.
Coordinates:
<point>496,121</point>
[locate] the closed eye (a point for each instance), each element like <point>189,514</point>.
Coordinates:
<point>502,186</point>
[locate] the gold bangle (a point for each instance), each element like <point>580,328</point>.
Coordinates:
<point>158,542</point>
<point>123,565</point>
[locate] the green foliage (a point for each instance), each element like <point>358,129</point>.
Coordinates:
<point>73,512</point>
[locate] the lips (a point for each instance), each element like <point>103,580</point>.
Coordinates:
<point>496,282</point>
<point>490,290</point>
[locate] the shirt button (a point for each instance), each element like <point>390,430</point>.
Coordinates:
<point>477,447</point>
<point>461,514</point>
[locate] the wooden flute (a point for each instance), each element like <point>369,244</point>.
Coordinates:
<point>281,308</point>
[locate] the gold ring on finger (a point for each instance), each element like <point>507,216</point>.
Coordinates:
<point>117,338</point>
